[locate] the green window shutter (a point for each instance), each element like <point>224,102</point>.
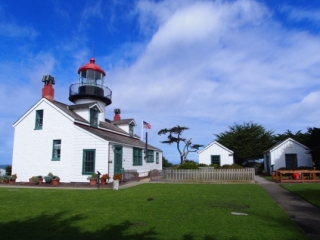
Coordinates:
<point>56,150</point>
<point>39,120</point>
<point>88,161</point>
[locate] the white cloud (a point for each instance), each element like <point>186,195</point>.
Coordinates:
<point>221,63</point>
<point>298,14</point>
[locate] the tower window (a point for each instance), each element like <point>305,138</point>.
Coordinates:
<point>39,120</point>
<point>93,117</point>
<point>131,130</point>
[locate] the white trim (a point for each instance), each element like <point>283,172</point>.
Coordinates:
<point>285,141</point>
<point>215,142</point>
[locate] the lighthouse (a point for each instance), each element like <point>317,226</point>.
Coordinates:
<point>90,87</point>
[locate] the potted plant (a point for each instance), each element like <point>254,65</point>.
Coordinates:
<point>5,179</point>
<point>93,179</point>
<point>116,179</point>
<point>104,178</point>
<point>55,180</point>
<point>48,179</point>
<point>12,178</point>
<point>36,180</point>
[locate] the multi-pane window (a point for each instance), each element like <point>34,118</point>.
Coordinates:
<point>56,150</point>
<point>137,156</point>
<point>131,130</point>
<point>215,159</point>
<point>88,162</point>
<point>39,119</point>
<point>93,117</point>
<point>150,156</point>
<point>157,158</point>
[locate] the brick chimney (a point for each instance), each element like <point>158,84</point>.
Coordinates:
<point>117,115</point>
<point>47,90</point>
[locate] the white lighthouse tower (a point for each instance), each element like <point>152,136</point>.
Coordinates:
<point>90,88</point>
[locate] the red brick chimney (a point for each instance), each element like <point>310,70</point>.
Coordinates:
<point>117,115</point>
<point>47,90</point>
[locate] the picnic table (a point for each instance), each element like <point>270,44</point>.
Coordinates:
<point>296,176</point>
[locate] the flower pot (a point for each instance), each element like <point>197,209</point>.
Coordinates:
<point>115,184</point>
<point>12,181</point>
<point>295,176</point>
<point>93,182</point>
<point>103,182</point>
<point>55,182</point>
<point>40,181</point>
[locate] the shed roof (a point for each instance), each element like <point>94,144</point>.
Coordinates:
<point>279,144</point>
<point>215,143</point>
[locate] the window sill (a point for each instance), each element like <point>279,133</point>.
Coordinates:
<point>55,159</point>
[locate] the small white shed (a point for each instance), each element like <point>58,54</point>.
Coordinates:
<point>289,154</point>
<point>215,153</point>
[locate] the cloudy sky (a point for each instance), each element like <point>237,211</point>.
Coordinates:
<point>201,64</point>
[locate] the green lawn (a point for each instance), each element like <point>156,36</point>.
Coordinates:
<point>307,191</point>
<point>148,211</point>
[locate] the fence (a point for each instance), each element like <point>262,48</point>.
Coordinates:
<point>202,175</point>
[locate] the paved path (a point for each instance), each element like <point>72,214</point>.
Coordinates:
<point>306,215</point>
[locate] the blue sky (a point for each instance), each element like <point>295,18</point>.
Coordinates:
<point>201,64</point>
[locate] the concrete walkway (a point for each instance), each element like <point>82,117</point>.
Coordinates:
<point>306,215</point>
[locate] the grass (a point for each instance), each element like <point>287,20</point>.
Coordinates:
<point>307,191</point>
<point>145,212</point>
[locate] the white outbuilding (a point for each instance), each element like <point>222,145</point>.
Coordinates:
<point>215,153</point>
<point>75,141</point>
<point>288,154</point>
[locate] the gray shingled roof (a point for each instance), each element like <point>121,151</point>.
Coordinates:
<point>108,125</point>
<point>123,121</point>
<point>83,105</point>
<point>116,138</point>
<point>65,108</point>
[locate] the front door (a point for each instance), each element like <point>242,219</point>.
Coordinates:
<point>291,161</point>
<point>117,159</point>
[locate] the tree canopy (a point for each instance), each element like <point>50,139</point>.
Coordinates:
<point>248,141</point>
<point>298,136</point>
<point>314,145</point>
<point>184,146</point>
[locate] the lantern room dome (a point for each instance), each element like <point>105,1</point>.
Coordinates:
<point>92,66</point>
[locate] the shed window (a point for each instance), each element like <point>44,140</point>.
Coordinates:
<point>157,158</point>
<point>215,159</point>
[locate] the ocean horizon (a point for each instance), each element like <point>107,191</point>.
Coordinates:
<point>3,166</point>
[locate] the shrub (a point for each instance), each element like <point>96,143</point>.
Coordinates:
<point>216,166</point>
<point>202,165</point>
<point>233,166</point>
<point>188,165</point>
<point>8,170</point>
<point>47,179</point>
<point>104,177</point>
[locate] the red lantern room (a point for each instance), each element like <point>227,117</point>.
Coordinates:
<point>90,86</point>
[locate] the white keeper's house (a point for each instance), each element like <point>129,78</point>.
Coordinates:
<point>74,141</point>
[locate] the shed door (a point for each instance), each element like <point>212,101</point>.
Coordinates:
<point>291,161</point>
<point>117,159</point>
